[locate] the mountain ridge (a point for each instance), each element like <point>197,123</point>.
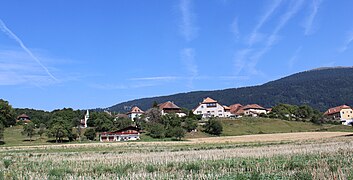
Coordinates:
<point>320,88</point>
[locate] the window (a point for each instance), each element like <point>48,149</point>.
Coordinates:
<point>201,106</point>
<point>211,105</point>
<point>199,112</point>
<point>219,110</point>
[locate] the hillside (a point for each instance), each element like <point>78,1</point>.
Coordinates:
<point>320,88</point>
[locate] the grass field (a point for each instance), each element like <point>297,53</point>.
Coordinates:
<point>321,152</point>
<point>234,127</point>
<point>249,125</point>
<point>326,155</point>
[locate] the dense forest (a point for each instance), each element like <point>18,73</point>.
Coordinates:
<point>319,88</point>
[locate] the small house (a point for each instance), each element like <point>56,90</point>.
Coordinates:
<point>130,133</point>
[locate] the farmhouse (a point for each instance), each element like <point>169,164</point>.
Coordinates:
<point>134,113</point>
<point>130,133</point>
<point>169,107</point>
<point>24,118</point>
<point>342,113</point>
<point>248,110</point>
<point>211,108</point>
<point>254,110</point>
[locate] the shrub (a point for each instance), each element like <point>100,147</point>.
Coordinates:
<point>157,130</point>
<point>90,134</point>
<point>214,127</point>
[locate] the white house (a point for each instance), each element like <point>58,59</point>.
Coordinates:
<point>135,112</point>
<point>253,110</point>
<point>211,108</point>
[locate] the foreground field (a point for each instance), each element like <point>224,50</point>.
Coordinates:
<point>321,155</point>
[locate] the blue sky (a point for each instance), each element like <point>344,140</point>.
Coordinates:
<point>89,54</point>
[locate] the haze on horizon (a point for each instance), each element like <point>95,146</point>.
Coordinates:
<point>90,54</point>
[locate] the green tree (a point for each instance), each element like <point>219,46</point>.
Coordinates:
<point>214,127</point>
<point>155,104</point>
<point>190,124</point>
<point>156,130</point>
<point>41,130</point>
<point>178,133</point>
<point>102,121</point>
<point>153,115</point>
<point>90,133</point>
<point>121,123</point>
<point>2,129</point>
<point>58,129</point>
<point>29,130</point>
<point>7,115</point>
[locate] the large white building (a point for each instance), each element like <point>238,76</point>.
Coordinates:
<point>211,108</point>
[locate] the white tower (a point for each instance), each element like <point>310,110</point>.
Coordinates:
<point>86,118</point>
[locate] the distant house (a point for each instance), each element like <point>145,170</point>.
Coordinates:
<point>134,113</point>
<point>169,107</point>
<point>211,108</point>
<point>130,133</point>
<point>23,118</point>
<point>342,113</point>
<point>236,110</point>
<point>248,110</point>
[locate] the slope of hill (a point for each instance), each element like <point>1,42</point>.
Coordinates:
<point>320,88</point>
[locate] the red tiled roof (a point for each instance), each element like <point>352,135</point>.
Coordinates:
<point>23,116</point>
<point>235,108</point>
<point>253,106</point>
<point>136,110</point>
<point>168,105</point>
<point>336,109</point>
<point>208,100</point>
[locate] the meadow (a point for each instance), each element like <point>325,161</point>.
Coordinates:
<point>315,155</point>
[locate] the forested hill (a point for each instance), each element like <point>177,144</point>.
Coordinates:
<point>320,88</point>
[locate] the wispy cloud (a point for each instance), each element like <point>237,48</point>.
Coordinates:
<point>8,32</point>
<point>308,24</point>
<point>240,59</point>
<point>294,58</point>
<point>347,42</point>
<point>16,67</point>
<point>235,28</point>
<point>188,59</point>
<point>273,38</point>
<point>254,36</point>
<point>187,26</point>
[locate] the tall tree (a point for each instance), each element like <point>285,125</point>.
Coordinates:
<point>58,129</point>
<point>41,129</point>
<point>29,130</point>
<point>7,115</point>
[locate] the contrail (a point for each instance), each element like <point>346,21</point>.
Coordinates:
<point>7,31</point>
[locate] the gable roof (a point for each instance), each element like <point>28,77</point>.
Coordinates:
<point>136,110</point>
<point>235,108</point>
<point>253,106</point>
<point>336,109</point>
<point>168,105</point>
<point>208,100</point>
<point>24,116</point>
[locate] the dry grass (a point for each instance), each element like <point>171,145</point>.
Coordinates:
<point>321,155</point>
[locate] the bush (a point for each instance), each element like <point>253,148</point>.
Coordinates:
<point>214,127</point>
<point>90,134</point>
<point>178,133</point>
<point>156,130</point>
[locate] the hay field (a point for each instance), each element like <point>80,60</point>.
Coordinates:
<point>322,155</point>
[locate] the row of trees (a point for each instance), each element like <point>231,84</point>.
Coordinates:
<point>296,113</point>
